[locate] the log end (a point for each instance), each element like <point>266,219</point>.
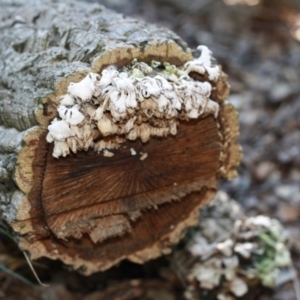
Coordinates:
<point>92,209</point>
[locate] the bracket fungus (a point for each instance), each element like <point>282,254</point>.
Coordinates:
<point>114,141</point>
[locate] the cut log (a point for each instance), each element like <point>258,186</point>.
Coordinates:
<point>93,209</point>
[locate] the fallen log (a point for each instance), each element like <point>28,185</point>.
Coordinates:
<point>128,176</point>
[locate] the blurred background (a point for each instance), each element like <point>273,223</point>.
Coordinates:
<point>257,43</point>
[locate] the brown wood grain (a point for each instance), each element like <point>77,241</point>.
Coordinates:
<point>88,185</point>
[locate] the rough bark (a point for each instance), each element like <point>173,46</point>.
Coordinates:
<point>108,209</point>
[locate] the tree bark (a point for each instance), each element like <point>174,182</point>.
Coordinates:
<point>88,210</point>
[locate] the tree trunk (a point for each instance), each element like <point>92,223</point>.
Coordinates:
<point>88,210</point>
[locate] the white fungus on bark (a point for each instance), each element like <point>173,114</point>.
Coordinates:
<point>84,89</point>
<point>60,149</point>
<point>67,100</point>
<point>203,64</point>
<point>136,102</point>
<point>59,130</point>
<point>71,115</point>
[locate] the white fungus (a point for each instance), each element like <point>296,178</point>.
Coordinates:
<point>59,130</point>
<point>60,149</point>
<point>132,151</point>
<point>136,102</point>
<point>67,100</point>
<point>85,88</point>
<point>71,115</point>
<point>203,64</point>
<point>143,156</point>
<point>107,153</point>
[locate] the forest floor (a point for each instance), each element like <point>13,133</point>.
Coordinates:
<point>258,49</point>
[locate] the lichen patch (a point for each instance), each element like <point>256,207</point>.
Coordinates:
<point>138,101</point>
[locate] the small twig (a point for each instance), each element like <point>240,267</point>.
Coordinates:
<point>33,270</point>
<point>8,271</point>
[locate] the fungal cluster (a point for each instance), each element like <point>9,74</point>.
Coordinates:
<point>137,101</point>
<point>233,252</point>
